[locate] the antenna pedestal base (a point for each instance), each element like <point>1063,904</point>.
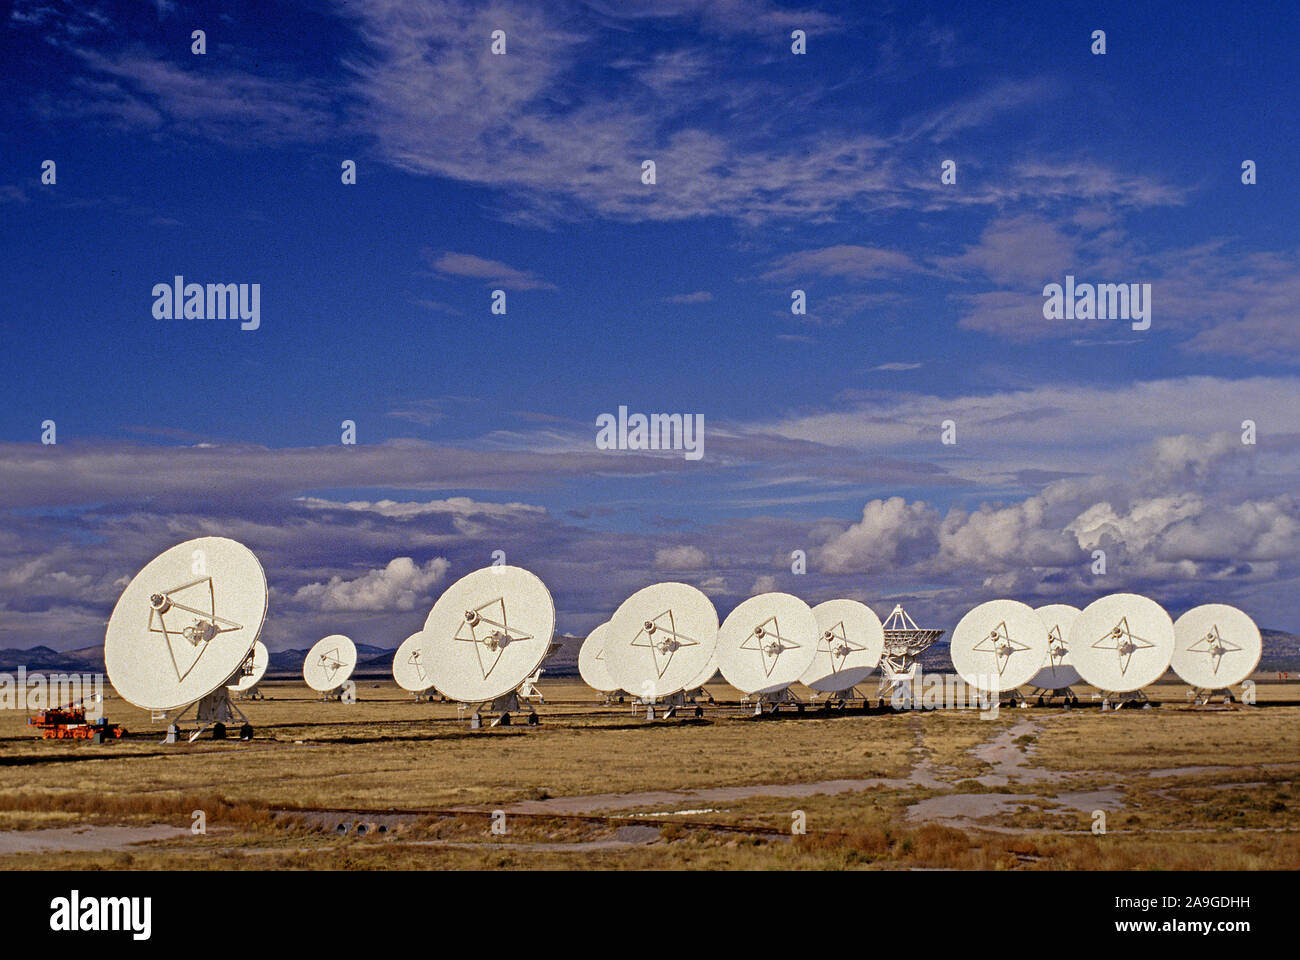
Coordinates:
<point>1219,698</point>
<point>1045,696</point>
<point>771,702</point>
<point>840,697</point>
<point>669,704</point>
<point>1130,698</point>
<point>216,707</point>
<point>502,706</point>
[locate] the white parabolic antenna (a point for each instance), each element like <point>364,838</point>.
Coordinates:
<point>660,640</point>
<point>261,659</point>
<point>704,676</point>
<point>767,643</point>
<point>1058,671</point>
<point>850,640</point>
<point>330,663</point>
<point>185,623</point>
<point>1122,642</point>
<point>591,661</point>
<point>408,665</point>
<point>488,633</point>
<point>998,645</point>
<point>1216,646</point>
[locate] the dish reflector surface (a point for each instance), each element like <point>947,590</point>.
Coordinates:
<point>1058,669</point>
<point>767,643</point>
<point>850,640</point>
<point>660,640</point>
<point>1122,642</point>
<point>488,633</point>
<point>329,663</point>
<point>185,623</point>
<point>999,645</point>
<point>247,681</point>
<point>408,665</point>
<point>591,661</point>
<point>704,676</point>
<point>1216,646</point>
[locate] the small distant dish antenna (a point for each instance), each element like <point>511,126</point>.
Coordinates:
<point>766,644</point>
<point>850,642</point>
<point>998,646</point>
<point>660,641</point>
<point>591,661</point>
<point>251,673</point>
<point>184,627</point>
<point>408,665</point>
<point>485,636</point>
<point>1120,644</point>
<point>1216,647</point>
<point>329,664</point>
<point>1058,675</point>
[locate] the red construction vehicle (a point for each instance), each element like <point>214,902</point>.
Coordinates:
<point>69,723</point>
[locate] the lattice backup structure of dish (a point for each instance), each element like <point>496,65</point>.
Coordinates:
<point>251,673</point>
<point>904,644</point>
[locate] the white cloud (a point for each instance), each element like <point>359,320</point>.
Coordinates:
<point>409,509</point>
<point>681,558</point>
<point>401,585</point>
<point>844,260</point>
<point>491,272</point>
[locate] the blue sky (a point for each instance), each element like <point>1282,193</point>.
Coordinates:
<point>774,172</point>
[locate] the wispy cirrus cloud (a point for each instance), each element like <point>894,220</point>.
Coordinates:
<point>492,272</point>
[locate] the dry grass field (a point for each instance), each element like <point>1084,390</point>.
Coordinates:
<point>594,786</point>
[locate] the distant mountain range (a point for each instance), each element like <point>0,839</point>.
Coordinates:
<point>1281,652</point>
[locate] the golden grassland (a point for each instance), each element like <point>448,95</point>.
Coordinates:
<point>1178,788</point>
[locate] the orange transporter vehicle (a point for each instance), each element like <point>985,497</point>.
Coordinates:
<point>69,723</point>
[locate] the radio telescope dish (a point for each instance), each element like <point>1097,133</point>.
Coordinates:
<point>1215,646</point>
<point>591,661</point>
<point>488,633</point>
<point>408,665</point>
<point>660,640</point>
<point>767,643</point>
<point>185,624</point>
<point>704,676</point>
<point>1122,642</point>
<point>998,645</point>
<point>1058,671</point>
<point>850,640</point>
<point>330,663</point>
<point>260,659</point>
